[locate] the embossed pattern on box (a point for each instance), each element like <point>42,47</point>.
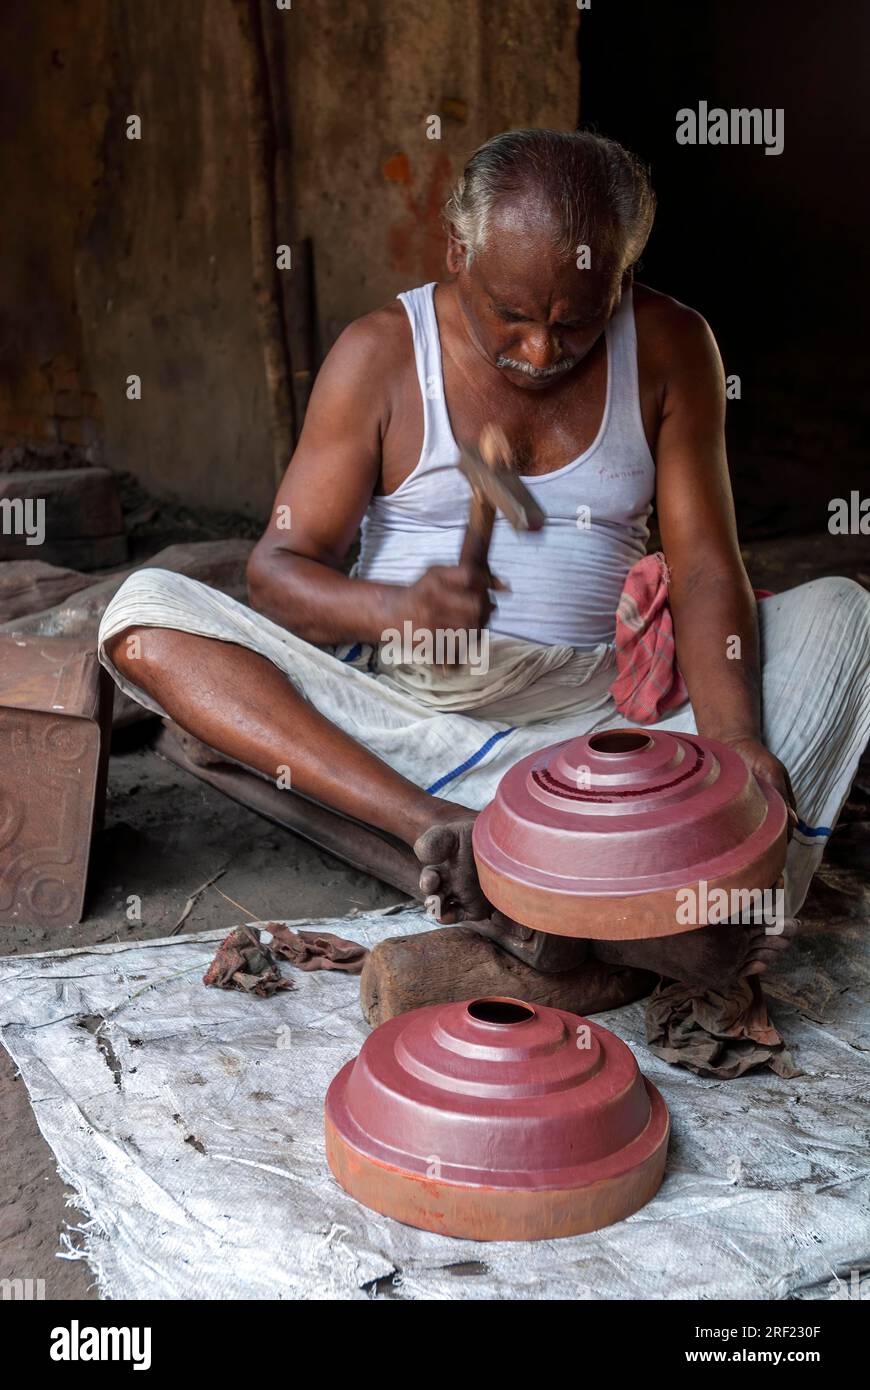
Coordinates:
<point>52,776</point>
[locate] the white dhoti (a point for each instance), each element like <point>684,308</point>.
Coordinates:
<point>457,739</point>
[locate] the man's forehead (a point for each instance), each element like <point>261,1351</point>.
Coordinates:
<point>521,265</point>
<point>555,289</point>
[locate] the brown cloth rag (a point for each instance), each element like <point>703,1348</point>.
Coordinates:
<point>317,950</point>
<point>721,1033</point>
<point>245,962</point>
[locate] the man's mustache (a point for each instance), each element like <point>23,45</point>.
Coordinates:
<point>564,365</point>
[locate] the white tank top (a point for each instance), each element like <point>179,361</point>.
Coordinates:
<point>565,580</point>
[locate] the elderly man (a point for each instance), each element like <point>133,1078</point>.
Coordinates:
<point>612,396</point>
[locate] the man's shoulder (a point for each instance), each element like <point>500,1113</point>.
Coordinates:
<point>368,361</point>
<point>661,315</point>
<point>384,333</point>
<point>669,331</point>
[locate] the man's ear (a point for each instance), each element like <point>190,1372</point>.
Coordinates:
<point>456,253</point>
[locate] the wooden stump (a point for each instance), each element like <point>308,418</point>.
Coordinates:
<point>453,963</point>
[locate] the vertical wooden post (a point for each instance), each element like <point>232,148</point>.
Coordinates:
<point>264,232</point>
<point>300,314</point>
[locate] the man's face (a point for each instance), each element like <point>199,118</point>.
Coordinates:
<point>532,313</point>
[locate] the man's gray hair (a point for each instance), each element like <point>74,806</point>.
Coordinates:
<point>599,191</point>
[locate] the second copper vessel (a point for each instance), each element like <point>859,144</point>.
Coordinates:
<point>600,836</point>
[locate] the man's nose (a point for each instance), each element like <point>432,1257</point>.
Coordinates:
<point>542,349</point>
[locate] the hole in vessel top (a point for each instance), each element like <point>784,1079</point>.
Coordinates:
<point>619,741</point>
<point>500,1011</point>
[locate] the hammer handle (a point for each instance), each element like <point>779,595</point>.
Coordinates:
<point>475,543</point>
<point>478,534</point>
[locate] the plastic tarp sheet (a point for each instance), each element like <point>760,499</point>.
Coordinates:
<point>188,1121</point>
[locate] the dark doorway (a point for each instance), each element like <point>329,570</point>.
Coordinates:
<point>772,249</point>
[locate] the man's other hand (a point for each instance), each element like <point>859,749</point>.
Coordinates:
<point>767,768</point>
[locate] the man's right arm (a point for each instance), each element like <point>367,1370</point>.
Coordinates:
<point>294,573</point>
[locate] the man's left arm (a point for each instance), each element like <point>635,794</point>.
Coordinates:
<point>712,603</point>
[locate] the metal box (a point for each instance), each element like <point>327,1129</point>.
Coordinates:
<point>55,722</point>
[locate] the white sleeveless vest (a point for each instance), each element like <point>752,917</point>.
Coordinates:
<point>566,579</point>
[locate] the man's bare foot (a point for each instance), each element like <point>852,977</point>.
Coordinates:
<point>448,878</point>
<point>705,958</point>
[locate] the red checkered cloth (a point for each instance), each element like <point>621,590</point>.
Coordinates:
<point>648,682</point>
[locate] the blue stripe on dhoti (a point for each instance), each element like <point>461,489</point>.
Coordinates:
<point>469,762</point>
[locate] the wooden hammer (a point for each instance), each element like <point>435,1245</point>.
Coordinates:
<point>495,487</point>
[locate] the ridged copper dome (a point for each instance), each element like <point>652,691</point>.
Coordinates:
<point>496,1120</point>
<point>596,836</point>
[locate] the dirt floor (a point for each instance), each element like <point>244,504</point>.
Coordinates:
<point>167,836</point>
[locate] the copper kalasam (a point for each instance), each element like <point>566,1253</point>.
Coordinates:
<point>601,836</point>
<point>492,1119</point>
